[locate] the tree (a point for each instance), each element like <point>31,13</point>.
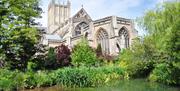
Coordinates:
<point>83,54</point>
<point>17,34</point>
<point>163,25</point>
<point>159,50</point>
<point>63,55</point>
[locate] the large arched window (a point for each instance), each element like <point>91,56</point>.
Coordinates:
<point>81,27</point>
<point>123,38</point>
<point>103,40</point>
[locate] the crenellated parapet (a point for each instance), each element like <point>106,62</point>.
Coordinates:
<point>58,14</point>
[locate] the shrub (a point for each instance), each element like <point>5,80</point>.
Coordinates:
<point>30,80</point>
<point>83,54</point>
<point>18,80</point>
<point>38,79</point>
<point>137,69</point>
<point>15,80</point>
<point>43,79</point>
<point>6,81</point>
<point>63,55</point>
<point>6,84</point>
<point>53,58</point>
<point>10,80</point>
<point>31,66</point>
<point>167,73</point>
<point>50,61</point>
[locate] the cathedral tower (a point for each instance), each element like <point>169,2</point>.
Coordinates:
<point>58,13</point>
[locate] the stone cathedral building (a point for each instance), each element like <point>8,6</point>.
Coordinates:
<point>112,33</point>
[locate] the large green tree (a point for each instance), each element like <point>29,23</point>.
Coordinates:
<point>163,26</point>
<point>157,53</point>
<point>17,34</point>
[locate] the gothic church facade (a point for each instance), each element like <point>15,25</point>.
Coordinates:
<point>112,33</point>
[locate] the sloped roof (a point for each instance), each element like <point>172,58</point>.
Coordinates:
<point>52,37</point>
<point>82,13</point>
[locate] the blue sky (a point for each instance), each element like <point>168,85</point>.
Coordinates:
<point>102,8</point>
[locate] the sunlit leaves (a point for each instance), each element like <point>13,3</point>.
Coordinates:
<point>163,25</point>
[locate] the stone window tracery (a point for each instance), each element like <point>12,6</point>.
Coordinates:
<point>80,28</point>
<point>123,38</point>
<point>103,40</point>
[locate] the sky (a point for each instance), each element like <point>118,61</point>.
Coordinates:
<point>97,9</point>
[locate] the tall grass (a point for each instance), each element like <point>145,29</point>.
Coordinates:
<point>87,77</point>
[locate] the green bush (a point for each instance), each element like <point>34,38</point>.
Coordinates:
<point>137,69</point>
<point>83,55</point>
<point>6,81</point>
<point>31,66</point>
<point>6,84</point>
<point>167,73</point>
<point>50,61</point>
<point>30,80</point>
<point>140,68</point>
<point>43,79</point>
<point>10,80</point>
<point>38,79</point>
<point>15,80</point>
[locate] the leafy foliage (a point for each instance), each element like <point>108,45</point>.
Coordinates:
<point>159,47</point>
<point>10,80</point>
<point>73,77</point>
<point>17,37</point>
<point>50,61</point>
<point>5,81</point>
<point>167,73</point>
<point>162,24</point>
<point>137,69</point>
<point>83,54</point>
<point>143,49</point>
<point>40,58</point>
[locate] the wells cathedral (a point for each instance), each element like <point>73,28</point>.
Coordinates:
<point>112,33</point>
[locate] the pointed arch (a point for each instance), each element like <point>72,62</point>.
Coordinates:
<point>80,28</point>
<point>124,37</point>
<point>102,38</point>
